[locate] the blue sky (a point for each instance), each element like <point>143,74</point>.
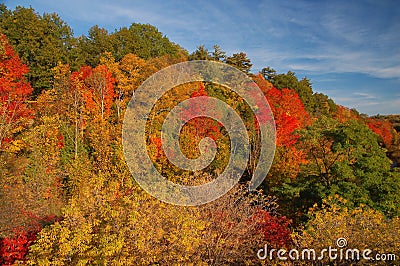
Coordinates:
<point>349,49</point>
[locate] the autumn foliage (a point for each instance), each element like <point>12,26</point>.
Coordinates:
<point>97,88</point>
<point>204,127</point>
<point>344,114</point>
<point>383,128</point>
<point>289,115</point>
<point>67,196</point>
<point>16,248</point>
<point>276,229</point>
<point>14,93</point>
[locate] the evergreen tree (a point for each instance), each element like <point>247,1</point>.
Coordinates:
<point>201,53</point>
<point>218,54</point>
<point>240,61</point>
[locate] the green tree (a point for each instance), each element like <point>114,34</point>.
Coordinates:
<point>289,80</point>
<point>324,106</point>
<point>218,54</point>
<point>149,42</point>
<point>344,159</point>
<point>94,45</point>
<point>201,53</point>
<point>305,92</point>
<point>143,40</point>
<point>268,73</point>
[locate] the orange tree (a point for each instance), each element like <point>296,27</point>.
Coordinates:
<point>14,93</point>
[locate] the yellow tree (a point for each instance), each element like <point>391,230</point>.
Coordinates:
<point>129,73</point>
<point>35,191</point>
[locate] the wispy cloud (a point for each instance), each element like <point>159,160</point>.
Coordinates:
<point>365,95</point>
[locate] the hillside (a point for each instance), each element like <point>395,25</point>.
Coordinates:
<point>80,135</point>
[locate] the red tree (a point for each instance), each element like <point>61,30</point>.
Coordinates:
<point>204,126</point>
<point>383,128</point>
<point>344,114</point>
<point>16,247</point>
<point>289,114</point>
<point>262,83</point>
<point>96,85</point>
<point>275,229</point>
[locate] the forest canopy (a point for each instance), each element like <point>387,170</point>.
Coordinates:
<point>67,196</point>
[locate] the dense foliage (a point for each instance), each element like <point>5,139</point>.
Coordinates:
<point>68,198</point>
